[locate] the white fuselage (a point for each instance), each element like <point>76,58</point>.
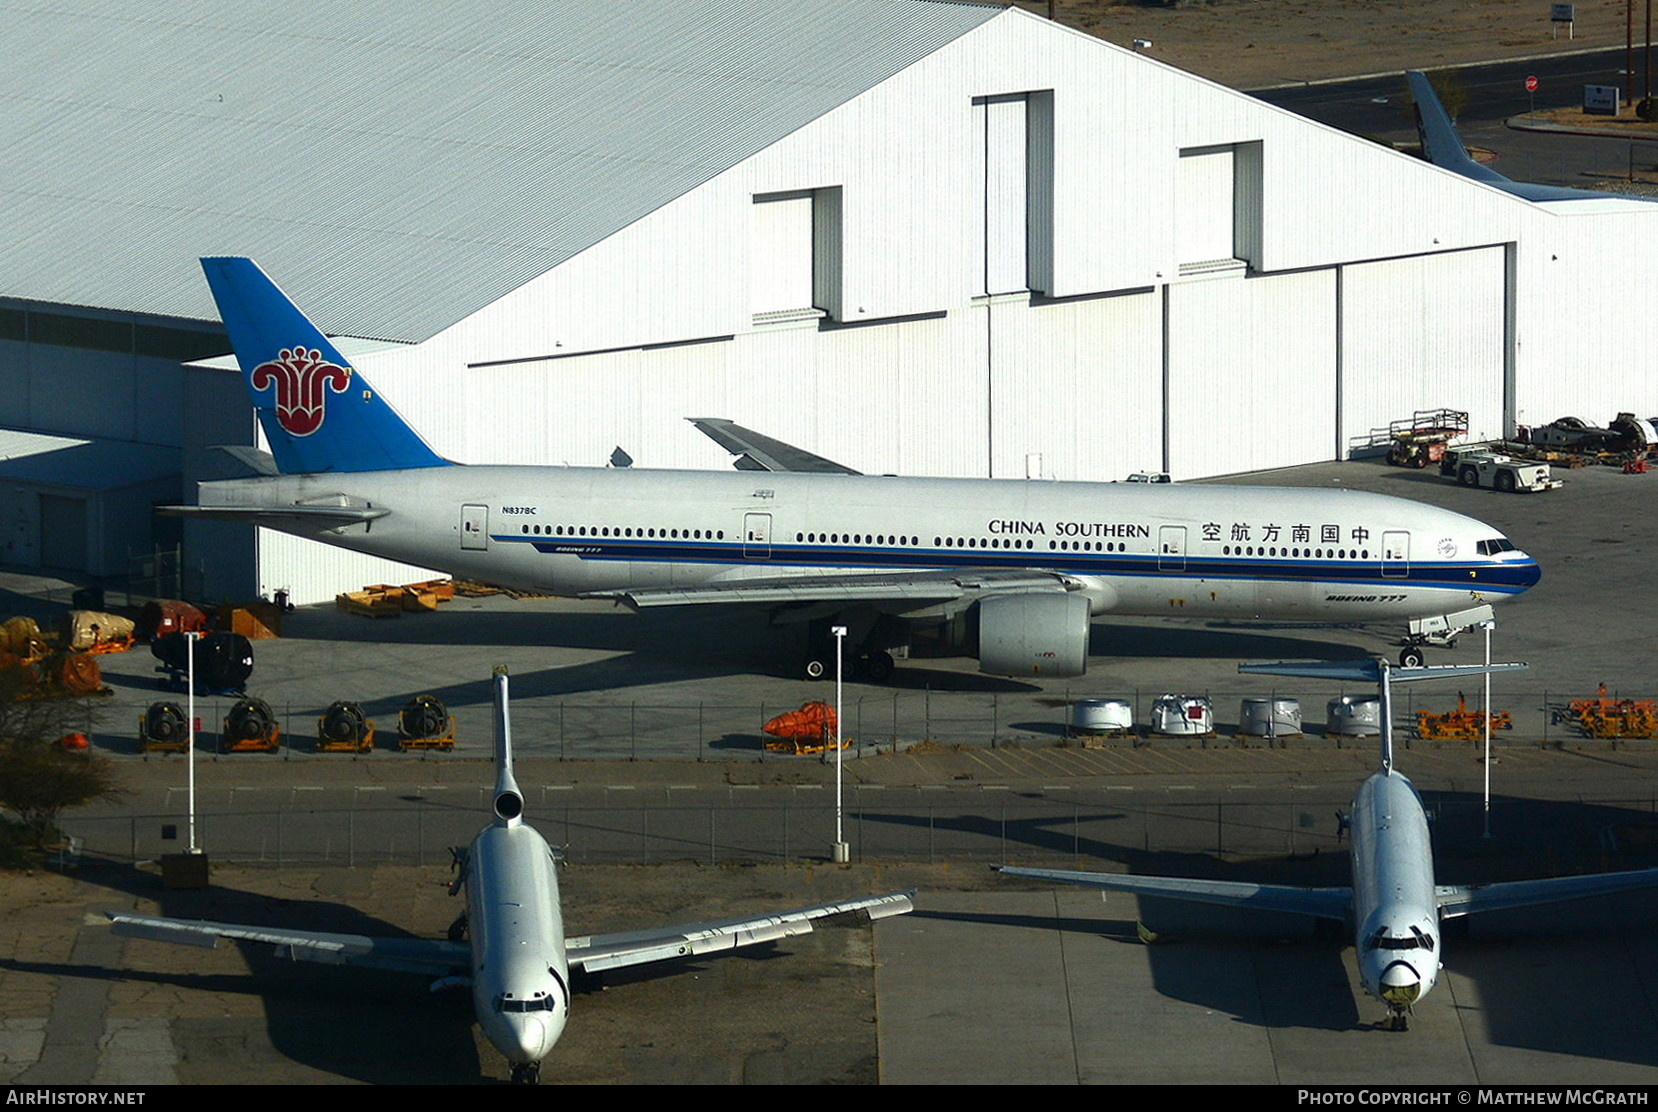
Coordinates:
<point>1395,910</point>
<point>520,976</point>
<point>1135,549</point>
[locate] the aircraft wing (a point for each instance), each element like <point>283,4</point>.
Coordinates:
<point>1323,903</point>
<point>756,451</point>
<point>408,955</point>
<point>927,585</point>
<point>1465,899</point>
<point>598,952</point>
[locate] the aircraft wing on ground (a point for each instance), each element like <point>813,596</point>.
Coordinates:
<point>1323,903</point>
<point>1465,899</point>
<point>755,451</point>
<point>936,585</point>
<point>595,953</point>
<point>408,955</point>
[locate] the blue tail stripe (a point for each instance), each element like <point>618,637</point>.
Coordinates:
<point>318,413</point>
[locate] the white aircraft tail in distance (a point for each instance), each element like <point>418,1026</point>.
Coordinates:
<point>1394,911</point>
<point>1016,569</point>
<point>510,947</point>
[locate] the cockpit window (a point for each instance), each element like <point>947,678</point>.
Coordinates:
<point>542,1002</point>
<point>1417,940</point>
<point>1494,546</point>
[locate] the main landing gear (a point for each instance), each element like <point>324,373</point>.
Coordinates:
<point>867,658</point>
<point>874,667</point>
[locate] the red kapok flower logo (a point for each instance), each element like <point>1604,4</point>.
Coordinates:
<point>299,377</point>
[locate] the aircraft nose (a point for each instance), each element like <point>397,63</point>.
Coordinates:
<point>1527,574</point>
<point>1401,986</point>
<point>530,1039</point>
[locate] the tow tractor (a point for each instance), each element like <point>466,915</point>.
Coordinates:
<point>1496,471</point>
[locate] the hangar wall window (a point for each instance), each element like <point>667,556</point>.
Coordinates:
<point>1218,207</point>
<point>1017,136</point>
<point>795,255</point>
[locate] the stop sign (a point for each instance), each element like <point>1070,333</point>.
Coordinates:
<point>1531,83</point>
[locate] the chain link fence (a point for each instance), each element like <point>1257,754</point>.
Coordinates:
<point>576,729</point>
<point>372,826</point>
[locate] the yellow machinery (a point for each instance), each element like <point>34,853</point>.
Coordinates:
<point>163,729</point>
<point>425,723</point>
<point>1461,724</point>
<point>250,727</point>
<point>343,728</point>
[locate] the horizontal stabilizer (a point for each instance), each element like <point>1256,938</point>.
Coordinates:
<point>285,518</point>
<point>255,460</point>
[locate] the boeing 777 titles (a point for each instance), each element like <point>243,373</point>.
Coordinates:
<point>1394,909</point>
<point>515,957</point>
<point>1020,566</point>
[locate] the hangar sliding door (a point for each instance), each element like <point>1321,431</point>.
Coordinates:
<point>1250,372</point>
<point>1420,333</point>
<point>62,532</point>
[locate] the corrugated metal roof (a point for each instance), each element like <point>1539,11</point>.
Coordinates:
<point>81,463</point>
<point>395,164</point>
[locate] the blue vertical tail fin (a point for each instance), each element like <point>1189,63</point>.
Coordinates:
<point>318,413</point>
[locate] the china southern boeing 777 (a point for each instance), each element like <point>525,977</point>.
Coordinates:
<point>1027,564</point>
<point>515,957</point>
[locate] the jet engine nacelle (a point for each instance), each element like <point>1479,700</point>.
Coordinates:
<point>1034,635</point>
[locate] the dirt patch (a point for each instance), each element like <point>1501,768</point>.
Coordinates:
<point>1250,44</point>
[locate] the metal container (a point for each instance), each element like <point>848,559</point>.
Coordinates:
<point>1182,715</point>
<point>1355,716</point>
<point>1102,716</point>
<point>1270,718</point>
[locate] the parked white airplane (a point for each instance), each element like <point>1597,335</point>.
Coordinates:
<point>1027,563</point>
<point>1442,146</point>
<point>516,956</point>
<point>1394,908</point>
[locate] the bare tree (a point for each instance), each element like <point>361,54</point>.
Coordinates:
<point>38,778</point>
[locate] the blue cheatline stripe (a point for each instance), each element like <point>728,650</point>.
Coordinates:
<point>1494,577</point>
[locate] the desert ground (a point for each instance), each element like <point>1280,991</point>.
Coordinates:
<point>1251,44</point>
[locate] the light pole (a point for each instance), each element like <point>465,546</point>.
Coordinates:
<point>1488,626</point>
<point>190,678</point>
<point>842,853</point>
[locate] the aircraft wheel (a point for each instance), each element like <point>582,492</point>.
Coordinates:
<point>1411,658</point>
<point>457,929</point>
<point>880,667</point>
<point>527,1074</point>
<point>814,668</point>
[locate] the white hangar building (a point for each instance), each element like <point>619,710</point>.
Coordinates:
<point>914,236</point>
